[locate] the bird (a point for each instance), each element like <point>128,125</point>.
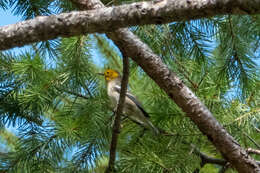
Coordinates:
<point>133,109</point>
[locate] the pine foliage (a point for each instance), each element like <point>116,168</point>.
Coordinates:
<point>53,98</point>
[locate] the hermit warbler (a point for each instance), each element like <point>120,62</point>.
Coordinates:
<point>132,107</point>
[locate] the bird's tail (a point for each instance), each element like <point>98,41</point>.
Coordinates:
<point>146,123</point>
<point>153,128</point>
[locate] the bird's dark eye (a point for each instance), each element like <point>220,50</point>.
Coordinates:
<point>107,72</point>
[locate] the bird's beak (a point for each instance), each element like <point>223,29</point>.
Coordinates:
<point>102,74</point>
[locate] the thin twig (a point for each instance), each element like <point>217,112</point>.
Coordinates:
<point>194,85</point>
<point>111,55</point>
<point>207,159</point>
<point>252,140</point>
<point>257,129</point>
<point>119,111</point>
<point>33,151</point>
<point>203,77</point>
<point>253,151</point>
<point>224,168</point>
<point>182,70</point>
<point>236,55</point>
<point>72,93</point>
<point>87,89</point>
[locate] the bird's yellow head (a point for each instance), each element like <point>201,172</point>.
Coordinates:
<point>111,74</point>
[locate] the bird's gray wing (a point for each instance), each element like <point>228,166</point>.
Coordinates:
<point>132,97</point>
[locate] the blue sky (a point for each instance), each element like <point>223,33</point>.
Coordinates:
<point>6,18</point>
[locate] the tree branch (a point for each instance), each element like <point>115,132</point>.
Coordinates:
<point>74,93</point>
<point>185,99</point>
<point>119,111</point>
<point>253,151</point>
<point>108,19</point>
<point>180,67</point>
<point>252,140</point>
<point>224,168</point>
<point>207,159</point>
<point>131,46</point>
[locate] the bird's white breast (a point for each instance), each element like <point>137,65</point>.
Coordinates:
<point>113,95</point>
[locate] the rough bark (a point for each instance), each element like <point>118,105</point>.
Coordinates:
<point>185,99</point>
<point>152,64</point>
<point>108,19</point>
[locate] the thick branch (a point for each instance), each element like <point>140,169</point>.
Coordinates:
<point>152,64</point>
<point>108,19</point>
<point>119,111</point>
<point>185,99</point>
